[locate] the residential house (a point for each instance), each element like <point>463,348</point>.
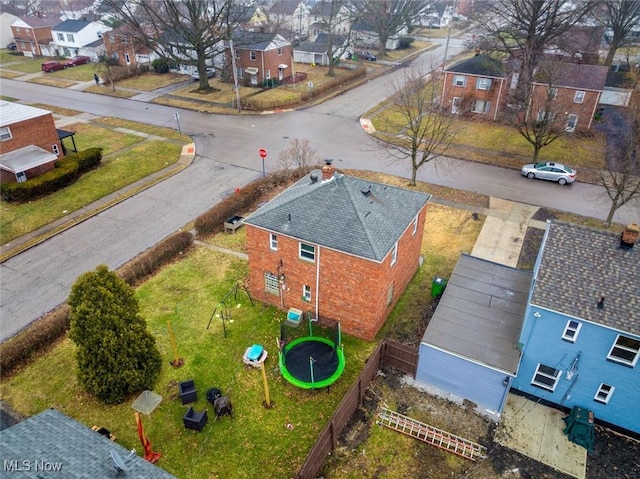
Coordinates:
<point>290,18</point>
<point>580,44</point>
<point>72,36</point>
<point>339,247</point>
<point>253,19</point>
<point>469,348</point>
<point>329,17</point>
<point>571,90</point>
<point>581,336</point>
<point>317,52</point>
<point>476,85</point>
<point>33,36</point>
<point>260,57</point>
<point>29,142</point>
<point>6,34</point>
<point>124,45</point>
<point>438,16</point>
<point>69,449</point>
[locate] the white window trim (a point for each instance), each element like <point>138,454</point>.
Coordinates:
<point>273,242</point>
<point>486,106</point>
<point>556,378</point>
<point>576,331</point>
<point>306,292</point>
<point>394,254</point>
<point>455,104</point>
<point>619,360</point>
<point>463,83</point>
<point>4,131</point>
<point>415,226</point>
<point>481,81</point>
<point>55,149</point>
<point>306,258</point>
<point>252,55</point>
<point>607,393</point>
<point>579,97</point>
<point>575,124</point>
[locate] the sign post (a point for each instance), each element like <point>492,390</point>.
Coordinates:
<point>263,154</point>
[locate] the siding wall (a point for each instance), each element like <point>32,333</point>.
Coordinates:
<point>543,344</point>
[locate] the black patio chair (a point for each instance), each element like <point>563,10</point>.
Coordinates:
<point>195,420</point>
<point>187,391</point>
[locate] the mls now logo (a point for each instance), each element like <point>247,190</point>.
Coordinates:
<point>30,465</point>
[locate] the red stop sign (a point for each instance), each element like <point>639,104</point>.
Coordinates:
<point>262,152</point>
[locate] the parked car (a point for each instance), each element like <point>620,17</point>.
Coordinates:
<point>366,56</point>
<point>549,171</point>
<point>12,46</point>
<point>52,66</point>
<point>210,74</point>
<point>79,60</point>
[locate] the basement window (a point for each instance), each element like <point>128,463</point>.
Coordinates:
<point>625,351</point>
<point>604,393</point>
<point>546,377</point>
<point>571,331</point>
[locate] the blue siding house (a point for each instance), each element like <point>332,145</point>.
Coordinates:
<point>580,340</point>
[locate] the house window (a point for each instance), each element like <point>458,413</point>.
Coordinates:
<point>604,393</point>
<point>5,133</point>
<point>60,36</point>
<point>239,72</point>
<point>267,74</point>
<point>571,331</point>
<point>273,242</point>
<point>112,39</point>
<point>545,116</point>
<point>579,97</point>
<point>21,177</point>
<point>307,252</point>
<point>625,351</point>
<point>236,52</point>
<point>390,294</point>
<point>483,83</point>
<point>415,226</point>
<point>127,58</point>
<point>70,37</point>
<point>546,377</point>
<point>455,105</point>
<point>306,293</point>
<point>271,284</point>
<point>55,149</point>
<point>552,93</point>
<point>459,80</point>
<point>481,106</point>
<point>252,55</point>
<point>279,50</point>
<point>572,121</point>
<point>394,254</point>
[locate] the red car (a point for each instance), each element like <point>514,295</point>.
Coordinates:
<point>79,60</point>
<point>52,66</point>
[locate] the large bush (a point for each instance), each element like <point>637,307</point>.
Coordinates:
<point>160,65</point>
<point>116,355</point>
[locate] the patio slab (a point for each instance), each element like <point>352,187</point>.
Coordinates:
<point>536,431</point>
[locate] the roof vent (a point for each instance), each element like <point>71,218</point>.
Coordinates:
<point>314,177</point>
<point>629,236</point>
<point>366,191</point>
<point>601,303</point>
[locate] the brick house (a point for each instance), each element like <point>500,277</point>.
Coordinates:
<point>575,91</point>
<point>29,143</point>
<point>33,36</point>
<point>125,46</point>
<point>340,247</point>
<point>259,57</point>
<point>476,85</point>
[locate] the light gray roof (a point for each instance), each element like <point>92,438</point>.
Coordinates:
<point>54,438</point>
<point>71,26</point>
<point>26,158</point>
<point>11,112</point>
<point>337,214</point>
<point>579,265</point>
<point>481,312</point>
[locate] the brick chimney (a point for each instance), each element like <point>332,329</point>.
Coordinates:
<point>629,236</point>
<point>327,171</point>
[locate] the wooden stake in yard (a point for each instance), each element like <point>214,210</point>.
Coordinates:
<point>267,401</point>
<point>177,362</point>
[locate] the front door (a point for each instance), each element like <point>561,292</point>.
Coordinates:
<point>254,78</point>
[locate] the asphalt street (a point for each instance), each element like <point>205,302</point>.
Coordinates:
<point>39,279</point>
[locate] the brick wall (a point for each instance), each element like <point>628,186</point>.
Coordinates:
<point>469,93</point>
<point>40,131</point>
<point>265,60</point>
<point>564,105</point>
<point>352,289</point>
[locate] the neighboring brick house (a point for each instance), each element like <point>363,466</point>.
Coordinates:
<point>343,248</point>
<point>29,143</point>
<point>125,46</point>
<point>260,57</point>
<point>576,90</point>
<point>476,85</point>
<point>33,36</point>
<point>580,341</point>
<point>71,36</point>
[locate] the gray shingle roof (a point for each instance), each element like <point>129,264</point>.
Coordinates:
<point>55,438</point>
<point>336,214</point>
<point>71,26</point>
<point>574,75</point>
<point>579,265</point>
<point>481,312</point>
<point>482,65</point>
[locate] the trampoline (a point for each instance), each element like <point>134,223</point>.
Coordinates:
<point>312,362</point>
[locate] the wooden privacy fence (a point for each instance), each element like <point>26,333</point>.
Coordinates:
<point>388,353</point>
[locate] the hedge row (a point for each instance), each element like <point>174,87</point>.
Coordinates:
<point>213,220</point>
<point>67,170</point>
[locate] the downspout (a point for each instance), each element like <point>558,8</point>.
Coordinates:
<point>318,284</point>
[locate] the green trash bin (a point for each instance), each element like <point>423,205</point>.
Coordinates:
<point>437,286</point>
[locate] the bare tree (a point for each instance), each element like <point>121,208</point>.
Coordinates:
<point>186,32</point>
<point>421,129</point>
<point>387,17</point>
<point>622,16</point>
<point>331,14</point>
<point>621,179</point>
<point>298,155</point>
<point>540,124</point>
<point>523,28</point>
